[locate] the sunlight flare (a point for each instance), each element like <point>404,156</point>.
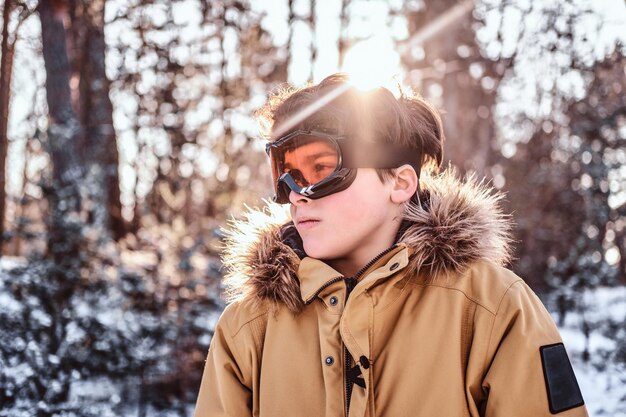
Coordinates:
<point>374,63</point>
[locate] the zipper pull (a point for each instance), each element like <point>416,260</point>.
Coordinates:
<point>365,363</point>
<point>350,284</point>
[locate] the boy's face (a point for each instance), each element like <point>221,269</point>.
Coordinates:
<point>351,226</point>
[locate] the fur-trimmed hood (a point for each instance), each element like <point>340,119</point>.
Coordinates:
<point>462,223</point>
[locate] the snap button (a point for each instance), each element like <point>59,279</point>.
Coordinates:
<point>329,360</point>
<point>394,266</point>
<point>365,363</point>
<point>333,300</point>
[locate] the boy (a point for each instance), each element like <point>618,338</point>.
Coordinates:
<point>385,295</point>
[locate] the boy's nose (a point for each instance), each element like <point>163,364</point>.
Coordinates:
<point>297,199</point>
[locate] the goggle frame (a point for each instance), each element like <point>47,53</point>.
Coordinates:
<point>338,180</point>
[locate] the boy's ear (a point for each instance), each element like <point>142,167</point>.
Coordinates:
<point>404,184</point>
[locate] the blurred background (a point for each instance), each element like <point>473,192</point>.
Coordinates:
<point>127,141</point>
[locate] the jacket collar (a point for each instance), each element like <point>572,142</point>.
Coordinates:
<point>462,223</point>
<point>315,275</point>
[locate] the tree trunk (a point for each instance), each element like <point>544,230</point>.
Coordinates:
<point>6,65</point>
<point>63,130</point>
<point>467,120</point>
<point>313,26</point>
<point>97,118</point>
<point>291,19</point>
<point>344,20</point>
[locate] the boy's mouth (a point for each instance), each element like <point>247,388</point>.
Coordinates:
<point>306,222</point>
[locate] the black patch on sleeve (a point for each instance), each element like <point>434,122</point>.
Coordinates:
<point>561,384</point>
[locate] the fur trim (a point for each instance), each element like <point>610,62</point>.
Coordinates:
<point>462,223</point>
<point>260,266</point>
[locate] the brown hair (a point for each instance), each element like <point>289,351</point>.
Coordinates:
<point>376,116</point>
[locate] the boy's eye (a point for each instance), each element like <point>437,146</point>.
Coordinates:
<point>323,168</point>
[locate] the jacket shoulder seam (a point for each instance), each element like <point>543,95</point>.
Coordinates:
<point>235,332</point>
<point>506,292</point>
<point>493,323</point>
<point>472,299</point>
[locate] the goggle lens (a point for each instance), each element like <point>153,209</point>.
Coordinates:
<point>307,158</point>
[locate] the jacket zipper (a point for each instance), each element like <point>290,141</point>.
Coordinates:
<point>373,261</point>
<point>350,284</point>
<point>326,285</point>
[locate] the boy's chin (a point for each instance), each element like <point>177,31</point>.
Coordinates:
<point>320,250</point>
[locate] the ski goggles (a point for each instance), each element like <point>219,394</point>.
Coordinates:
<point>316,164</point>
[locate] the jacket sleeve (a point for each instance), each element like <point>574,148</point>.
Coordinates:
<point>529,373</point>
<point>226,382</point>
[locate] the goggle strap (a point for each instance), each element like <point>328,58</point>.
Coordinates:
<point>379,155</point>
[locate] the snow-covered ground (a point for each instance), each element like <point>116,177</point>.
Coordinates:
<point>604,391</point>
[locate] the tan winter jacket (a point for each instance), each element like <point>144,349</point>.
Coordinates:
<point>435,326</point>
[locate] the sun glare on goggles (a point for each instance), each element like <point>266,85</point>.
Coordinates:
<point>316,164</point>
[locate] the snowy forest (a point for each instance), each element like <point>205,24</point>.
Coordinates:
<point>128,141</point>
